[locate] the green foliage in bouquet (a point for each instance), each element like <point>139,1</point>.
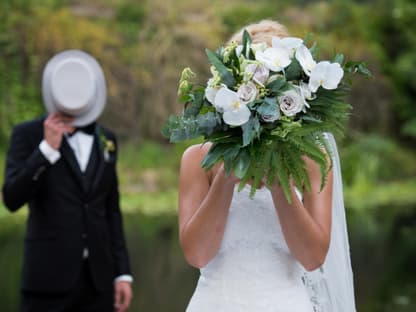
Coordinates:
<point>265,109</point>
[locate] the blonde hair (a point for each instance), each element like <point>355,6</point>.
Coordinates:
<point>262,31</point>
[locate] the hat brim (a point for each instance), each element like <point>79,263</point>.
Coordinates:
<point>94,110</point>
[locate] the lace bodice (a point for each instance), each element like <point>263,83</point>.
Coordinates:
<point>253,269</point>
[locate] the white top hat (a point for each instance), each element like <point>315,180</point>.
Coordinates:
<point>73,83</point>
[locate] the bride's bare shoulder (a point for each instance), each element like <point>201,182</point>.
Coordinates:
<point>196,152</point>
<point>192,158</point>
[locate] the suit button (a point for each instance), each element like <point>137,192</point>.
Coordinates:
<point>84,235</point>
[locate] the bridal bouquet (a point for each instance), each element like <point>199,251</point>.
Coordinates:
<point>264,109</point>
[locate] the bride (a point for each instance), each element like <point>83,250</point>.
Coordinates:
<point>264,254</point>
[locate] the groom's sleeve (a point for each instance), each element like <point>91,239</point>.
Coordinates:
<point>115,224</point>
<point>25,166</point>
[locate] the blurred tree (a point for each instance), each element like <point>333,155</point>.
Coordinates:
<point>395,31</point>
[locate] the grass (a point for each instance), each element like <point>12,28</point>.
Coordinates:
<point>152,204</point>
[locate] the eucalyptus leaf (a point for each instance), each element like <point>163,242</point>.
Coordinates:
<point>339,58</point>
<point>208,122</point>
<point>193,107</point>
<point>269,108</point>
<point>251,130</point>
<point>179,128</point>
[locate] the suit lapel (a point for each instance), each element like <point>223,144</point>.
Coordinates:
<point>101,160</point>
<point>69,156</point>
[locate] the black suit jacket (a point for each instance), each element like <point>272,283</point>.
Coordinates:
<point>64,215</point>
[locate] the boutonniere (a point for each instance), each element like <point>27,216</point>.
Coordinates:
<point>108,146</point>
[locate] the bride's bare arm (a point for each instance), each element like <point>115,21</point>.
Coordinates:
<point>307,226</point>
<point>203,207</point>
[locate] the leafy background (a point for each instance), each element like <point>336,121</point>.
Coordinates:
<point>143,46</point>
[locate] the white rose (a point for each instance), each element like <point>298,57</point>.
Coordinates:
<point>258,72</point>
<point>247,92</point>
<point>291,103</point>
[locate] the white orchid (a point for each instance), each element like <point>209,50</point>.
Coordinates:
<point>305,59</point>
<point>261,46</point>
<point>212,89</point>
<point>325,74</point>
<point>291,44</point>
<point>210,93</point>
<point>258,72</point>
<point>238,50</point>
<point>235,112</point>
<point>275,59</point>
<point>306,93</point>
<point>254,47</point>
<point>291,102</point>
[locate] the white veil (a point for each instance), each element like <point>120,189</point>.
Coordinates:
<point>331,287</point>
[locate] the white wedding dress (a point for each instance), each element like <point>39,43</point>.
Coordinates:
<point>253,270</point>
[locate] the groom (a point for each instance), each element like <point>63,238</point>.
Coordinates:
<point>64,167</point>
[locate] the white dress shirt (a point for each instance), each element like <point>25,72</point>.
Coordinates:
<point>81,144</point>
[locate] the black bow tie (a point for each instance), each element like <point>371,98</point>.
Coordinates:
<point>88,129</point>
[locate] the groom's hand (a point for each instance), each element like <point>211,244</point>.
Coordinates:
<point>122,296</point>
<point>55,126</point>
